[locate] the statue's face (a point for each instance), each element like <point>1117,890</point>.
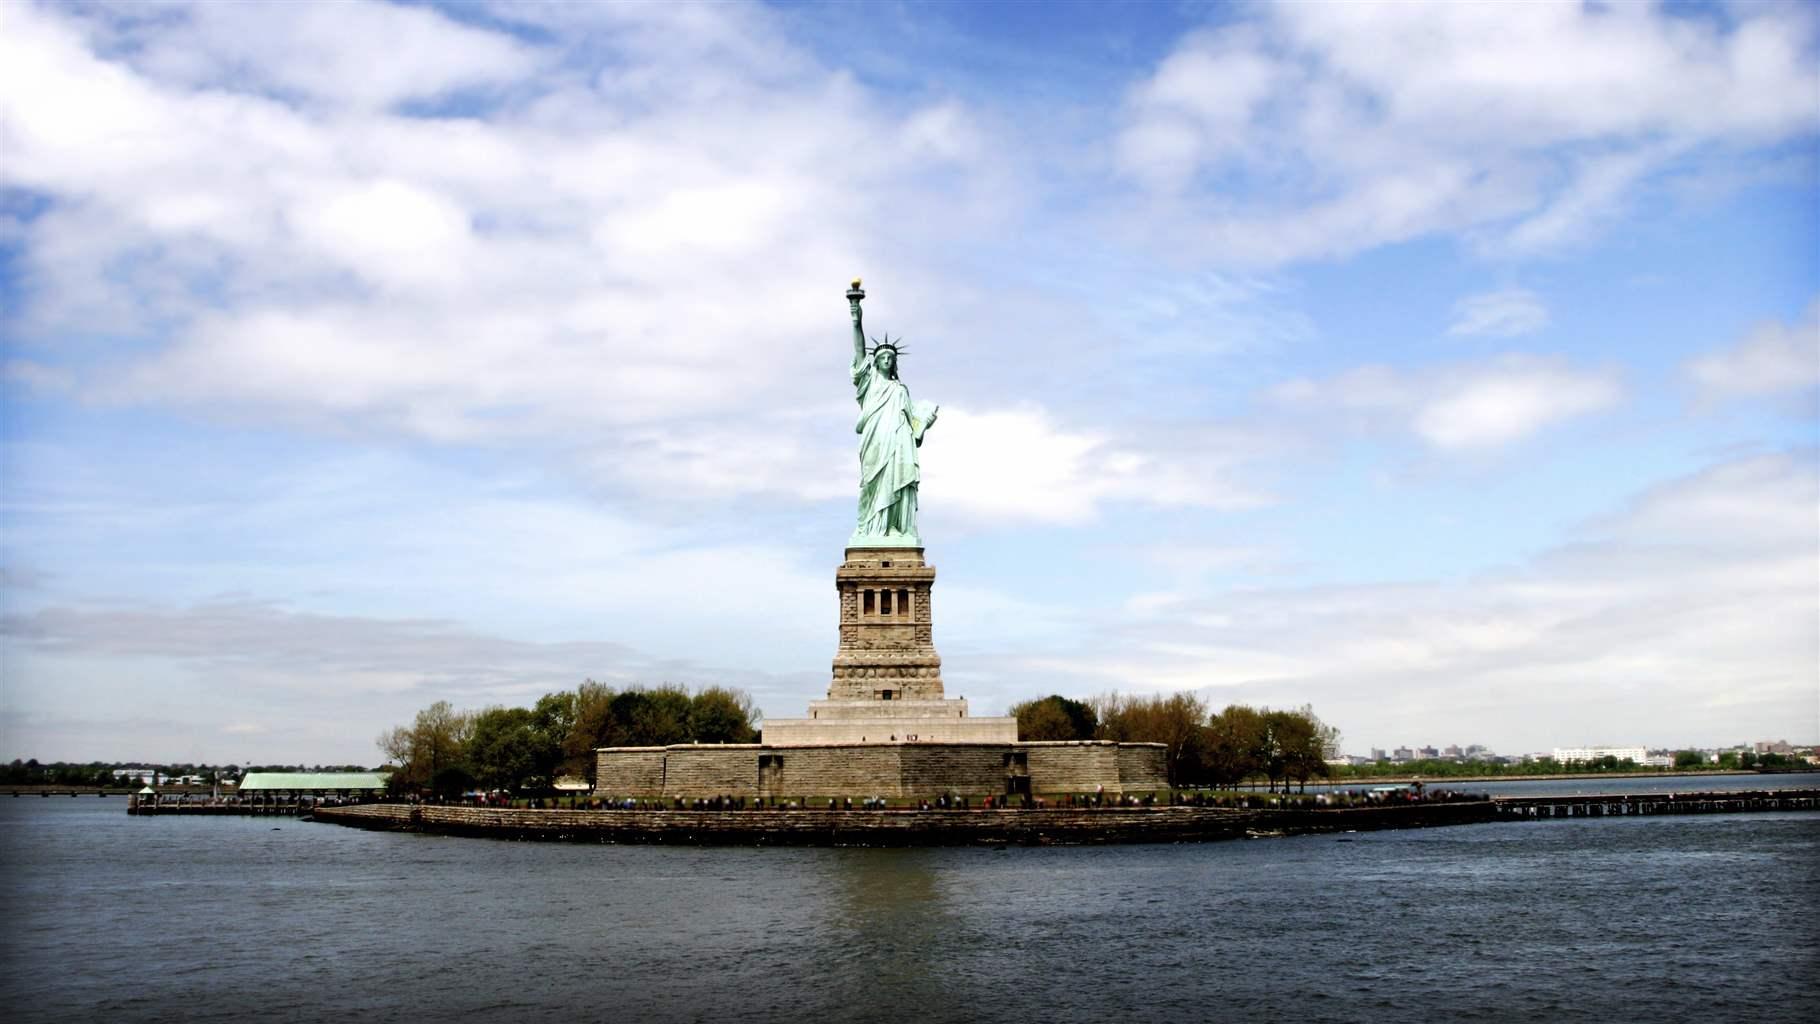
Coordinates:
<point>885,360</point>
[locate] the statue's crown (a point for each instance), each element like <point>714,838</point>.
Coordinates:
<point>893,345</point>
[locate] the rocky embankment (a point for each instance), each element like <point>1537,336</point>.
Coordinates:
<point>772,827</point>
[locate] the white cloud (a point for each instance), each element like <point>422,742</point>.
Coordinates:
<point>1755,501</point>
<point>403,583</point>
<point>354,52</point>
<point>1460,408</point>
<point>1504,313</point>
<point>1346,126</point>
<point>1017,464</point>
<point>1595,194</point>
<point>1510,403</point>
<point>1200,104</point>
<point>1773,359</point>
<point>334,680</point>
<point>37,377</point>
<point>1691,616</point>
<point>643,264</point>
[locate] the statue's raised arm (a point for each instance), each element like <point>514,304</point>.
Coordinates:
<point>854,295</point>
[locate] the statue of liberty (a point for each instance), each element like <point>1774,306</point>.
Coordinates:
<point>890,430</point>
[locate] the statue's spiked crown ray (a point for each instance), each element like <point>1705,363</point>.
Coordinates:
<point>890,344</point>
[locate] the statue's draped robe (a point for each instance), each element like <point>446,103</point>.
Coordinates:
<point>890,428</point>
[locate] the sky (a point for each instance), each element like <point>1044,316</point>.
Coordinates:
<point>1453,369</point>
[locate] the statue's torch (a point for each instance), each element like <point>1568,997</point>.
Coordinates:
<point>854,294</point>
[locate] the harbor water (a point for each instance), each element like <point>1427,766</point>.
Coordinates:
<point>114,918</point>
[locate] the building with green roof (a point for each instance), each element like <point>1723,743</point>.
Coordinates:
<point>304,783</point>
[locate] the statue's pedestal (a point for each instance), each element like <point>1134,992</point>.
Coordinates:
<point>854,721</point>
<point>887,685</point>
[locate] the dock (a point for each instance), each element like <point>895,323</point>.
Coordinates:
<point>253,809</point>
<point>1613,805</point>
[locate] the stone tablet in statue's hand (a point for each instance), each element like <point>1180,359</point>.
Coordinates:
<point>922,417</point>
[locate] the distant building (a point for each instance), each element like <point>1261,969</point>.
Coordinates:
<point>1453,752</point>
<point>1377,753</point>
<point>1429,752</point>
<point>1773,747</point>
<point>1573,755</point>
<point>1402,754</point>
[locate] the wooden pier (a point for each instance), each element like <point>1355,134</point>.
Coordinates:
<point>288,810</point>
<point>1613,805</point>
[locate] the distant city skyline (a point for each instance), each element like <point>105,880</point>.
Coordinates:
<point>1450,368</point>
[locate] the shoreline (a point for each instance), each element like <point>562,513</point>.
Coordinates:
<point>1022,826</point>
<point>897,828</point>
<point>1666,773</point>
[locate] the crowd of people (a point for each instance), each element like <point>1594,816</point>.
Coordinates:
<point>1099,798</point>
<point>939,802</point>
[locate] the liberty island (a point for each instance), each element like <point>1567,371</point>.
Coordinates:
<point>887,732</point>
<point>887,727</point>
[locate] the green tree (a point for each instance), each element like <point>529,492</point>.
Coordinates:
<point>593,727</point>
<point>552,720</point>
<point>1285,733</point>
<point>502,750</point>
<point>1300,744</point>
<point>1689,759</point>
<point>1176,721</point>
<point>719,714</point>
<point>1236,747</point>
<point>1055,718</point>
<point>650,717</point>
<point>429,749</point>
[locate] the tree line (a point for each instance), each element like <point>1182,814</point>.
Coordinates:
<point>1684,760</point>
<point>59,773</point>
<point>1201,747</point>
<point>519,750</point>
<point>29,772</point>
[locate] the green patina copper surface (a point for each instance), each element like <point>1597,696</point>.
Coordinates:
<point>890,428</point>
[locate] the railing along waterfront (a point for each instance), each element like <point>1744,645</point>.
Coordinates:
<point>797,825</point>
<point>281,807</point>
<point>1533,808</point>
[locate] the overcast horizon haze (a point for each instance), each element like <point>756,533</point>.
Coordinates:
<point>1453,368</point>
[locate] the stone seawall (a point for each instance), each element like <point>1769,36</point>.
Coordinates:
<point>1053,826</point>
<point>897,770</point>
